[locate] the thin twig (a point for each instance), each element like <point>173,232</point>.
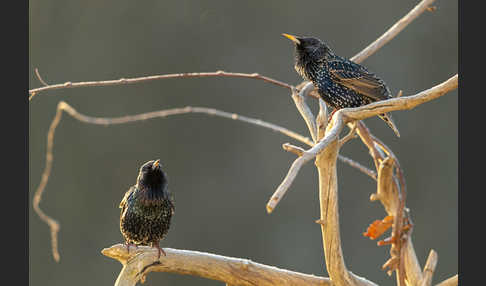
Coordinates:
<point>157,77</point>
<point>234,271</point>
<point>392,31</point>
<point>53,225</point>
<point>39,77</point>
<point>358,166</point>
<point>350,135</point>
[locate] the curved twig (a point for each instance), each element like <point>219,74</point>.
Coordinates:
<point>39,77</point>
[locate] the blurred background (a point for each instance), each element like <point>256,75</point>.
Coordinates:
<point>222,172</point>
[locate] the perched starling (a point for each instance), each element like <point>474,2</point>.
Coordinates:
<point>147,208</point>
<point>340,82</point>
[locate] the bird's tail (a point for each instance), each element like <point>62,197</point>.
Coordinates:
<point>388,119</point>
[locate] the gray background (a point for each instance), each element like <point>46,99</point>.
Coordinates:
<point>223,172</point>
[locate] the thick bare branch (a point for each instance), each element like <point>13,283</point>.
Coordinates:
<point>331,238</point>
<point>233,271</point>
<point>402,103</point>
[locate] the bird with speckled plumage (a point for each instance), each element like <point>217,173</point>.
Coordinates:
<point>339,82</point>
<point>147,208</point>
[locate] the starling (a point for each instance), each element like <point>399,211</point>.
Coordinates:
<point>147,208</point>
<point>340,82</point>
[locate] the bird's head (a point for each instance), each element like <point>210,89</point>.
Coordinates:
<point>308,51</point>
<point>151,176</point>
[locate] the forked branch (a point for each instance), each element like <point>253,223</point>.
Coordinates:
<point>345,115</point>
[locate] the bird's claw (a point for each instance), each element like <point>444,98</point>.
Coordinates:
<point>130,244</point>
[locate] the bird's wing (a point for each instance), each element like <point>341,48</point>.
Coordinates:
<point>357,78</point>
<point>124,201</point>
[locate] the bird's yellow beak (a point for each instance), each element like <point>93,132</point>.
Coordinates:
<point>292,38</point>
<point>156,163</point>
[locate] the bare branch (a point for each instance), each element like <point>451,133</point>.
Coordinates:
<point>392,31</point>
<point>122,81</point>
<point>429,269</point>
<point>453,281</point>
<point>233,271</point>
<point>299,162</point>
<point>331,238</point>
<point>403,255</point>
<point>53,225</point>
<point>358,166</point>
<point>305,111</point>
<point>346,115</point>
<point>321,119</point>
<point>39,77</point>
<point>402,103</point>
<point>294,149</point>
<point>350,135</point>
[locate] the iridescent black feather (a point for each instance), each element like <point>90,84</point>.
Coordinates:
<point>147,208</point>
<point>340,82</point>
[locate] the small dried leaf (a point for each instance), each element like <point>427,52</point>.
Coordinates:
<point>378,227</point>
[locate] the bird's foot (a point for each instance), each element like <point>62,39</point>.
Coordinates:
<point>130,244</point>
<point>160,250</point>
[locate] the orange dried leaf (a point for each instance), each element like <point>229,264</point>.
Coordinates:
<point>378,227</point>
